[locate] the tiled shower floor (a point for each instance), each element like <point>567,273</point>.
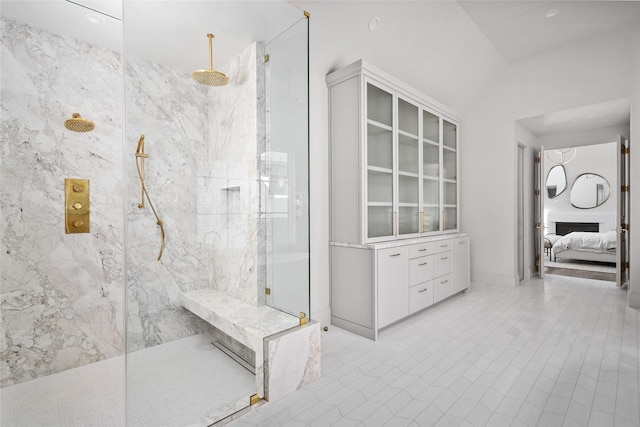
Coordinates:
<point>182,383</point>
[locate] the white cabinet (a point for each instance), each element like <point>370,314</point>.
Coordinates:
<point>375,285</point>
<point>393,300</point>
<point>394,157</point>
<point>393,200</point>
<point>461,277</point>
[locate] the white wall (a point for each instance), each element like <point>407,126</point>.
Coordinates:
<point>462,67</point>
<point>634,251</point>
<point>600,159</point>
<point>569,77</point>
<point>528,139</point>
<point>582,138</point>
<point>460,61</point>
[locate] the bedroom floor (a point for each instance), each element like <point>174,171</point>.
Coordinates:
<point>582,269</point>
<point>555,352</point>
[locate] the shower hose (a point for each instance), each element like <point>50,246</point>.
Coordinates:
<point>140,156</point>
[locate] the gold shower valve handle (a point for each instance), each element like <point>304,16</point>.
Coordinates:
<point>76,200</point>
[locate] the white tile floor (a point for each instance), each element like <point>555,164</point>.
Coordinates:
<point>558,352</point>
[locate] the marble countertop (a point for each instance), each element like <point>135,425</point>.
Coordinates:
<point>401,242</point>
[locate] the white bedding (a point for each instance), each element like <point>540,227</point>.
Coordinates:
<point>588,242</point>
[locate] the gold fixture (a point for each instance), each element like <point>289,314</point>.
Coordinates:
<point>210,77</point>
<point>307,14</point>
<point>76,201</point>
<point>266,58</point>
<point>565,155</point>
<point>267,291</point>
<point>140,155</point>
<point>254,399</point>
<point>78,124</point>
<point>303,318</point>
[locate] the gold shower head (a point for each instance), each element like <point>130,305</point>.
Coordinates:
<point>210,77</point>
<point>78,124</point>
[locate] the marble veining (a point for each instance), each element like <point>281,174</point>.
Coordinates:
<point>292,359</point>
<point>246,323</point>
<point>61,295</point>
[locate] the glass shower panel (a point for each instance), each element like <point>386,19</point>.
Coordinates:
<point>62,293</point>
<point>200,167</point>
<point>285,178</point>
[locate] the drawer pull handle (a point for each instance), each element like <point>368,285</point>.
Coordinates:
<point>423,290</point>
<point>444,258</point>
<point>422,250</point>
<point>421,264</point>
<point>444,246</point>
<point>444,281</point>
<point>394,255</point>
<point>461,243</point>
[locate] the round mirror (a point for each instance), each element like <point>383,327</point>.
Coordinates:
<point>556,181</point>
<point>589,191</point>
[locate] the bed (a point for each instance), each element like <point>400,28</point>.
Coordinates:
<point>586,246</point>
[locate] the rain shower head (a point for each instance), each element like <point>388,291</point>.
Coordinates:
<point>78,124</point>
<point>210,77</point>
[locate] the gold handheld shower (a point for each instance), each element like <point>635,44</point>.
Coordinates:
<point>78,124</point>
<point>140,156</point>
<point>210,77</point>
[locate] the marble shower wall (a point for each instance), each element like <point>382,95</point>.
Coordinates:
<point>202,178</point>
<point>229,223</point>
<point>61,294</point>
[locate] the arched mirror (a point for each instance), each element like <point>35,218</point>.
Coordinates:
<point>556,181</point>
<point>589,190</point>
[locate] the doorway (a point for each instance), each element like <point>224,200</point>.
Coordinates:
<point>555,138</point>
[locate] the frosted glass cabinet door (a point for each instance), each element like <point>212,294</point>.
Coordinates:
<point>430,172</point>
<point>379,175</point>
<point>408,168</point>
<point>450,175</point>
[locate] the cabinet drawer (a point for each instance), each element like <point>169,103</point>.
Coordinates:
<point>442,264</point>
<point>442,287</point>
<point>420,296</point>
<point>421,249</point>
<point>420,270</point>
<point>442,246</point>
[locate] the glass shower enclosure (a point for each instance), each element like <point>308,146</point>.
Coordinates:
<point>94,331</point>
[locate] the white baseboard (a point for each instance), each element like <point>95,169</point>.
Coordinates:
<point>494,279</point>
<point>322,315</point>
<point>634,298</point>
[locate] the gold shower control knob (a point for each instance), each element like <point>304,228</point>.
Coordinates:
<point>77,188</point>
<point>78,223</point>
<point>77,206</point>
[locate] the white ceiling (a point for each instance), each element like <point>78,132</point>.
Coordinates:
<point>168,32</point>
<point>476,38</point>
<point>520,29</point>
<point>589,117</point>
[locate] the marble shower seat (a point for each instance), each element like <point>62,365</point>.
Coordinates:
<point>243,322</point>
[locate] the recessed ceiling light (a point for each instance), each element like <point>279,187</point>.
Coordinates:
<point>551,13</point>
<point>374,24</point>
<point>94,19</point>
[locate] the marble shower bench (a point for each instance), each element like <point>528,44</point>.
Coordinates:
<point>276,337</point>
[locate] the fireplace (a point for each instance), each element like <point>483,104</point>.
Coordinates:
<point>563,228</point>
